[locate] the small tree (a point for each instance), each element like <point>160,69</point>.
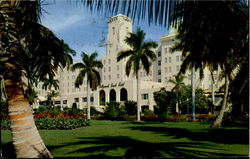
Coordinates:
<point>130,107</point>
<point>112,110</point>
<point>166,102</point>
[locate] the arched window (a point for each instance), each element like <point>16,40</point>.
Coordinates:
<point>112,95</point>
<point>102,97</point>
<point>123,95</point>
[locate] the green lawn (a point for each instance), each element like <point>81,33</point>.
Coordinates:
<point>118,139</point>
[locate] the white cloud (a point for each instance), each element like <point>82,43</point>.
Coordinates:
<point>63,22</point>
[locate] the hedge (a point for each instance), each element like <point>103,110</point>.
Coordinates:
<point>48,124</point>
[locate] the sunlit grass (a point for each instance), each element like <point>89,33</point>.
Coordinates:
<point>118,139</point>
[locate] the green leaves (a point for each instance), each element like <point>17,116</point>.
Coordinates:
<point>139,53</point>
<point>88,68</point>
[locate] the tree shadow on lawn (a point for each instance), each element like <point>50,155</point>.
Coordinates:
<point>135,148</point>
<point>220,135</point>
<point>8,150</point>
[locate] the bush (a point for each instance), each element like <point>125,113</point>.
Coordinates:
<point>112,110</point>
<point>130,107</point>
<point>4,111</point>
<point>5,124</point>
<point>48,124</point>
<point>148,112</point>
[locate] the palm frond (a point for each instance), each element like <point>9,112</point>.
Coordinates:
<point>77,66</point>
<point>145,63</point>
<point>123,54</point>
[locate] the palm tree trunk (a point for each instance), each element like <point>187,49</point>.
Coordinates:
<point>138,98</point>
<point>219,119</point>
<point>178,103</point>
<point>193,92</point>
<point>26,139</point>
<point>88,101</point>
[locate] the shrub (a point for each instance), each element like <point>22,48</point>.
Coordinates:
<point>148,112</point>
<point>5,124</point>
<point>112,110</point>
<point>4,111</point>
<point>130,107</point>
<point>63,123</point>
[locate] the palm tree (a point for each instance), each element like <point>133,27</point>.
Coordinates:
<point>51,96</point>
<point>49,83</point>
<point>178,87</point>
<point>25,40</point>
<point>139,53</point>
<point>201,32</point>
<point>89,69</point>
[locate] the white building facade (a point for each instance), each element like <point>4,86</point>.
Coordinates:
<point>115,85</point>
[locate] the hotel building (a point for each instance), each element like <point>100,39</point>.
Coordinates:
<point>115,85</point>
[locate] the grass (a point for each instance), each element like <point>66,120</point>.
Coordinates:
<point>119,139</point>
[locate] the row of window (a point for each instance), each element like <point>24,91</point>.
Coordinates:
<point>109,68</point>
<point>84,99</point>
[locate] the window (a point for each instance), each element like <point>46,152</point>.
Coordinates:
<point>166,60</point>
<point>118,75</point>
<point>84,99</point>
<point>126,29</point>
<point>159,63</point>
<point>177,58</point>
<point>104,69</point>
<point>109,69</point>
<point>91,99</point>
<point>104,62</point>
<point>166,50</point>
<point>177,68</point>
<point>159,54</point>
<point>189,77</point>
<point>104,77</point>
<point>73,76</point>
<point>144,96</point>
<point>159,72</point>
<point>169,59</point>
<point>166,70</point>
<point>76,100</point>
<point>169,69</point>
<point>141,74</point>
<point>113,28</point>
<point>109,61</point>
<point>109,77</point>
<point>159,80</point>
<point>117,67</point>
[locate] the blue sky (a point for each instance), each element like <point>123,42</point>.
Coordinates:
<point>83,30</point>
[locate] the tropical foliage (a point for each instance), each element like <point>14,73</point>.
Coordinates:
<point>165,103</point>
<point>140,53</point>
<point>213,33</point>
<point>30,51</point>
<point>178,88</point>
<point>89,69</point>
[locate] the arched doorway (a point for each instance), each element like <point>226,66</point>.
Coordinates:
<point>123,95</point>
<point>102,97</point>
<point>112,95</point>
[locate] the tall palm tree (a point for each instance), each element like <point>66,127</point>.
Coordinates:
<point>139,54</point>
<point>24,40</point>
<point>49,83</point>
<point>178,87</point>
<point>89,69</point>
